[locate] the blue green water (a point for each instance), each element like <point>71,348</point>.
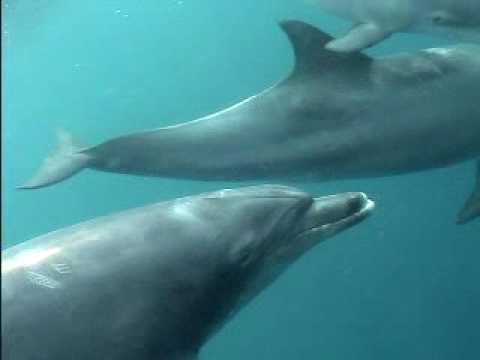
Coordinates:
<point>403,285</point>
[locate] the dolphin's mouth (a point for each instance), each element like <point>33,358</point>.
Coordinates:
<point>336,212</point>
<point>360,207</point>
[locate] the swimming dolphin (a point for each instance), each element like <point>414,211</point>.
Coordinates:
<point>376,20</point>
<point>156,282</point>
<point>338,115</point>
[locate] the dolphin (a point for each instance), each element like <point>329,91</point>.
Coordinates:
<point>336,116</point>
<point>376,20</point>
<point>157,282</point>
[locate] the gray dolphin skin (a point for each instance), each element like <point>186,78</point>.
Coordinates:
<point>157,282</point>
<point>336,116</point>
<point>375,20</point>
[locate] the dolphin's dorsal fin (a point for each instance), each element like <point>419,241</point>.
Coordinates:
<point>311,56</point>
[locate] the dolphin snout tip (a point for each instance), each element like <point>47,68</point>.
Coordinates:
<point>361,202</point>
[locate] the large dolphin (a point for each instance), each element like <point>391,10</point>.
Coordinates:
<point>156,282</point>
<point>376,20</point>
<point>338,115</point>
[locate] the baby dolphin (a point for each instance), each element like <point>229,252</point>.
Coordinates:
<point>157,282</point>
<point>338,115</point>
<point>376,20</point>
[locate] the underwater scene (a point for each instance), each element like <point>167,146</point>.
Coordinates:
<point>243,134</point>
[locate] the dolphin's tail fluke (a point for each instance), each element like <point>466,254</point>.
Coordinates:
<point>471,209</point>
<point>65,161</point>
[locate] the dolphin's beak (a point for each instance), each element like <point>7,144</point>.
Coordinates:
<point>337,212</point>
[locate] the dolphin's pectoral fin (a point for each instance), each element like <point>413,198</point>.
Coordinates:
<point>361,36</point>
<point>311,56</point>
<point>63,163</point>
<point>471,209</point>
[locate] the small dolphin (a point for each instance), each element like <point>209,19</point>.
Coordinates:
<point>156,282</point>
<point>338,115</point>
<point>376,20</point>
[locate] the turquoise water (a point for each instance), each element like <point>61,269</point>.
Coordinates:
<point>403,285</point>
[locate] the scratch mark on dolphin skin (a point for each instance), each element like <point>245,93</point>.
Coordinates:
<point>62,268</point>
<point>42,280</point>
